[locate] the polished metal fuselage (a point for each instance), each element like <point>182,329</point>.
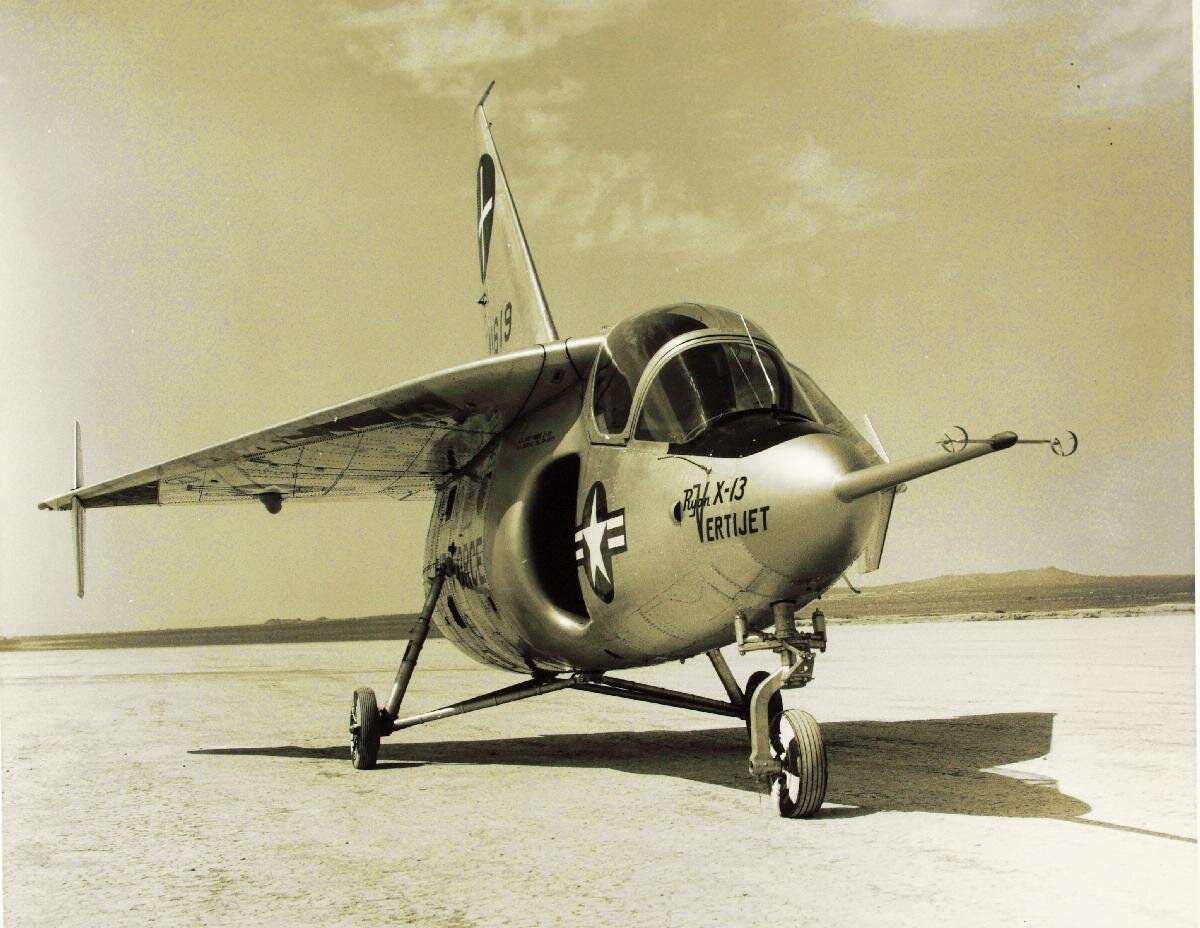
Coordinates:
<point>694,540</point>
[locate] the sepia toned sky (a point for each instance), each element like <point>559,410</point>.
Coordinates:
<point>214,218</point>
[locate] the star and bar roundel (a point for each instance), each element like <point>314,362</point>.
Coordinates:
<point>597,539</point>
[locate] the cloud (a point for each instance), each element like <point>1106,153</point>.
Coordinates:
<point>619,200</point>
<point>443,43</point>
<point>601,197</point>
<point>625,200</point>
<point>1128,53</point>
<point>817,190</point>
<point>944,14</point>
<point>611,199</point>
<point>1135,54</point>
<point>538,111</point>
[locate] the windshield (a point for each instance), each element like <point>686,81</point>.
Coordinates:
<point>631,345</point>
<point>814,402</point>
<point>706,381</point>
<point>622,360</point>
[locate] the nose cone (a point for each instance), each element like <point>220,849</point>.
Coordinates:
<point>808,532</point>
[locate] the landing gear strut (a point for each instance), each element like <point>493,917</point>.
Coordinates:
<point>367,721</point>
<point>786,748</point>
<point>774,707</point>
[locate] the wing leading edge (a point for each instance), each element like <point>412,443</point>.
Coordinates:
<point>399,443</point>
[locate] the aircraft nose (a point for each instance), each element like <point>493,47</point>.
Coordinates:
<point>806,531</point>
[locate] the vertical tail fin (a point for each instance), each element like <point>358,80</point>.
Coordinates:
<point>515,313</point>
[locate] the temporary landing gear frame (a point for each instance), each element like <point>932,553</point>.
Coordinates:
<point>786,747</point>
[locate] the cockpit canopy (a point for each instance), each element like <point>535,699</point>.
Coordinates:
<point>718,363</point>
<point>706,381</point>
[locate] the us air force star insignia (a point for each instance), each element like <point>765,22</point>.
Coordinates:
<point>601,535</point>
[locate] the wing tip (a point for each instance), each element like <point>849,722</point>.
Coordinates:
<point>487,93</point>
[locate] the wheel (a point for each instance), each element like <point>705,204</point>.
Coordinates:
<point>800,789</point>
<point>774,704</point>
<point>364,729</point>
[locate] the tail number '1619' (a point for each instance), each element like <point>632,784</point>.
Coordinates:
<point>500,329</point>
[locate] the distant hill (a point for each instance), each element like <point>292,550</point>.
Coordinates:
<point>1046,589</point>
<point>1041,576</point>
<point>1016,593</point>
<point>273,631</point>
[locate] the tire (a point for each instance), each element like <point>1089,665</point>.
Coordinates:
<point>774,705</point>
<point>800,789</point>
<point>364,729</point>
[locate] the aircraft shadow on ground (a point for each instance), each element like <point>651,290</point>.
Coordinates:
<point>931,765</point>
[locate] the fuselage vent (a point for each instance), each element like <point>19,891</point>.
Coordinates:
<point>454,613</point>
<point>552,534</point>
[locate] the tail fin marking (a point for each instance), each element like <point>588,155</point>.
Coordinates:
<point>514,305</point>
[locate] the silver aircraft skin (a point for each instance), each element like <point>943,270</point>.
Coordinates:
<point>600,502</point>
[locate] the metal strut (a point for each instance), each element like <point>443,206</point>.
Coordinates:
<point>736,696</point>
<point>795,649</point>
<point>534,687</point>
<point>589,682</point>
<point>627,689</point>
<point>417,641</point>
<point>488,700</point>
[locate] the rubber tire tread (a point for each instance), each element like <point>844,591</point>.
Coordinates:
<point>812,763</point>
<point>367,711</point>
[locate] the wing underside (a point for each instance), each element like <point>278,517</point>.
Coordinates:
<point>400,443</point>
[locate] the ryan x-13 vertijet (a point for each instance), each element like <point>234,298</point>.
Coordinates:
<point>600,502</point>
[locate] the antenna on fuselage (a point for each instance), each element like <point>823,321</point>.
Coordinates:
<point>770,385</point>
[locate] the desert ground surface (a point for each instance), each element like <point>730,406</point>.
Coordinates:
<point>989,773</point>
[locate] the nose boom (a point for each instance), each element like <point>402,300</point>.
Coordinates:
<point>860,483</point>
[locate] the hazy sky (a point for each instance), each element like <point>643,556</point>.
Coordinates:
<point>216,217</point>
